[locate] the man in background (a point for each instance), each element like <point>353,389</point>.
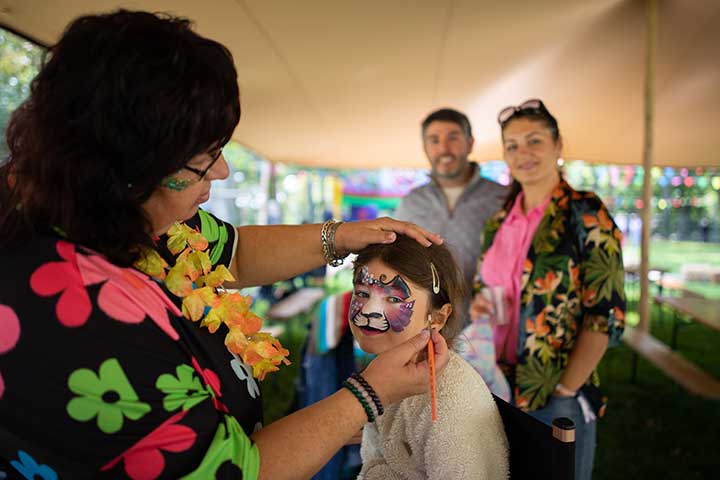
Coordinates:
<point>456,203</point>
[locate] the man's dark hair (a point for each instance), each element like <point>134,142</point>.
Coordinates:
<point>122,101</point>
<point>448,115</point>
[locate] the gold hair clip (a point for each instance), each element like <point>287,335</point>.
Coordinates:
<point>435,279</point>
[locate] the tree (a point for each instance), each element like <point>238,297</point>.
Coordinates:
<point>19,63</point>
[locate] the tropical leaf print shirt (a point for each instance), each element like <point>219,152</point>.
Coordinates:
<point>102,377</point>
<point>573,279</point>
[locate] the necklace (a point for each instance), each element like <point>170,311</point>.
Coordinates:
<point>193,279</point>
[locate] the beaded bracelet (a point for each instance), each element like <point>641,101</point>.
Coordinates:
<point>365,395</point>
<point>376,400</point>
<point>361,399</point>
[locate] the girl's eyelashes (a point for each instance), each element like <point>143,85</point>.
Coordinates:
<point>364,294</point>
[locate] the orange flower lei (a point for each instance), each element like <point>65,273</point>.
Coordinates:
<point>193,279</point>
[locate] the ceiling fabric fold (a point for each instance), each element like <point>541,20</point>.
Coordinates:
<point>346,84</point>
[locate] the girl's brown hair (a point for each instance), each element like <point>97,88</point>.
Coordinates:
<point>412,261</point>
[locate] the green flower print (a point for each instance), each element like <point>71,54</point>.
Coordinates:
<point>214,232</point>
<point>181,390</point>
<point>107,396</point>
<point>230,443</point>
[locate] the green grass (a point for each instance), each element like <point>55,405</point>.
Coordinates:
<point>653,428</point>
<point>671,256</point>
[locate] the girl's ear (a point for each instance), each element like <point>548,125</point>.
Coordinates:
<point>441,315</point>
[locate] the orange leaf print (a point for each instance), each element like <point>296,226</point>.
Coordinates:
<point>537,326</point>
<point>574,273</point>
<point>619,316</point>
<point>589,220</point>
<point>618,235</point>
<point>527,266</point>
<point>602,219</point>
<point>520,401</point>
<point>589,297</point>
<point>548,284</point>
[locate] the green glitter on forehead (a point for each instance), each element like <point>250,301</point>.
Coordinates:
<point>177,184</point>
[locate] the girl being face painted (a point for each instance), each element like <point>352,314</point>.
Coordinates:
<point>386,309</point>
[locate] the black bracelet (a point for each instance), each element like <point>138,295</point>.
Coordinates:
<point>361,399</point>
<point>376,400</point>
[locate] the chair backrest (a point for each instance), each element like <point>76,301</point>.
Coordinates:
<point>538,451</point>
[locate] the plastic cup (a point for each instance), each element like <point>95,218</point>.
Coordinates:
<point>496,296</point>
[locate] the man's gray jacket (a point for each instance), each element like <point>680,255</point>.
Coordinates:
<point>462,229</point>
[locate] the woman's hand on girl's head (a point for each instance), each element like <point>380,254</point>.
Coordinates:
<point>395,376</point>
<point>354,236</point>
<point>479,307</point>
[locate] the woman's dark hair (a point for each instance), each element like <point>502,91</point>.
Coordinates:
<point>122,101</point>
<point>542,115</point>
<point>412,261</point>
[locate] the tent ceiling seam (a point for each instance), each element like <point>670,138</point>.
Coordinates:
<point>441,51</point>
<point>281,57</point>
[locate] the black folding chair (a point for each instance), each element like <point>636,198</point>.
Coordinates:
<point>538,451</point>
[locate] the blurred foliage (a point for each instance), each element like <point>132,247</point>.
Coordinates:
<point>19,63</point>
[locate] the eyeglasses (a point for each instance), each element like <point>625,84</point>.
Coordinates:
<point>202,173</point>
<point>508,112</point>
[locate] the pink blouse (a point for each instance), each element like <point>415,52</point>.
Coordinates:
<point>509,249</point>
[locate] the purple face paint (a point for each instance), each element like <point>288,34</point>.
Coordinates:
<point>378,305</point>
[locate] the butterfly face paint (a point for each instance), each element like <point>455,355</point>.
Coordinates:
<point>378,305</point>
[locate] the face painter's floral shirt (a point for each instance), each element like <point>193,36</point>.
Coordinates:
<point>102,377</point>
<point>573,279</point>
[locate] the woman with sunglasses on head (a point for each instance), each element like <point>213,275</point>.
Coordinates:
<point>556,253</point>
<point>121,355</point>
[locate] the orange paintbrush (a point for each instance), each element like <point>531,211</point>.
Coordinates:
<point>431,363</point>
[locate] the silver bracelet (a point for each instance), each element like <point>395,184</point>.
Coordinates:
<point>563,390</point>
<point>327,238</point>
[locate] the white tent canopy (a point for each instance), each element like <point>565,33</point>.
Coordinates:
<point>346,84</point>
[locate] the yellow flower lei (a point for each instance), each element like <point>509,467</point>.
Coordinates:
<point>193,279</point>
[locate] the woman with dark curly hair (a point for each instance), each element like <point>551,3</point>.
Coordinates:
<point>556,254</point>
<point>120,353</point>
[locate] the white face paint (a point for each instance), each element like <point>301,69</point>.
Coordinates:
<point>384,313</point>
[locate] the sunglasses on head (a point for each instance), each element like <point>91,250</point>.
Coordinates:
<point>530,105</point>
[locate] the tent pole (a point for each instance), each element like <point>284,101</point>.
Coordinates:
<point>646,212</point>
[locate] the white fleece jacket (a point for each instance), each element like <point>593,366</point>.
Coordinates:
<point>467,441</point>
